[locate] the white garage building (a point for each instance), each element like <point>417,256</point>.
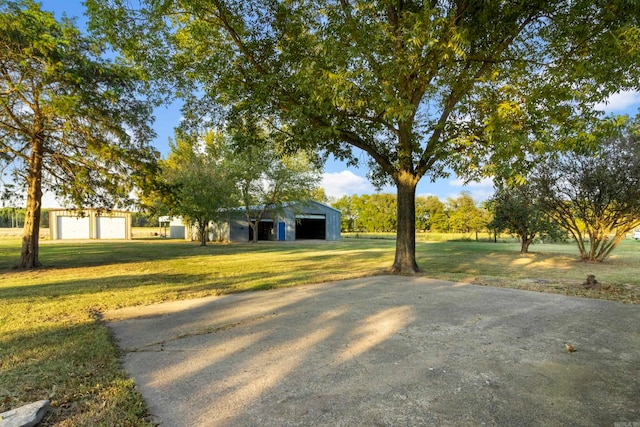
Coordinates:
<point>89,224</point>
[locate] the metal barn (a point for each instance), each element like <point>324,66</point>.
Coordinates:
<point>300,221</point>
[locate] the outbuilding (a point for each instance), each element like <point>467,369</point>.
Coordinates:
<point>308,220</point>
<point>89,224</point>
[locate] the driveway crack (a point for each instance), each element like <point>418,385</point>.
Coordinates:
<point>199,332</point>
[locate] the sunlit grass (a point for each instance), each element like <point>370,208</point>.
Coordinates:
<point>548,267</point>
<point>53,345</point>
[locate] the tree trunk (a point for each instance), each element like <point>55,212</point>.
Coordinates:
<point>405,260</point>
<point>204,228</point>
<point>524,246</point>
<point>254,226</point>
<point>31,233</point>
<point>611,245</point>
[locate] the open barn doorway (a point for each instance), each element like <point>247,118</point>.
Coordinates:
<point>311,227</point>
<point>265,231</point>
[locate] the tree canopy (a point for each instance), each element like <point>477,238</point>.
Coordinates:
<point>465,215</point>
<point>421,87</point>
<point>518,209</point>
<point>70,120</point>
<point>377,213</point>
<point>594,193</point>
<point>431,214</point>
<point>197,186</point>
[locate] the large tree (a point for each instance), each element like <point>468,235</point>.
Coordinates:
<point>594,194</point>
<point>70,121</point>
<point>419,86</point>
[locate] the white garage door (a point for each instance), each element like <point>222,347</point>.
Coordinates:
<point>73,227</point>
<point>111,227</point>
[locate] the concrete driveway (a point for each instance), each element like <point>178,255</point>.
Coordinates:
<point>385,351</point>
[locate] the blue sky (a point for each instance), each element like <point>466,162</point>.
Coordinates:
<point>338,179</point>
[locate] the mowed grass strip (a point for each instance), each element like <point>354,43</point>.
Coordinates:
<point>54,346</point>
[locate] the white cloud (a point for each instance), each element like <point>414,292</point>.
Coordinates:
<point>479,190</point>
<point>338,184</point>
<point>619,102</point>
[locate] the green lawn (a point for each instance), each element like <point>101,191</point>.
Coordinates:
<point>53,345</point>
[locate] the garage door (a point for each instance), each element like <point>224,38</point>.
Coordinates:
<point>73,227</point>
<point>311,226</point>
<point>111,227</point>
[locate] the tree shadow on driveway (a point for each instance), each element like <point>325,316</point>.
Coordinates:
<point>384,350</point>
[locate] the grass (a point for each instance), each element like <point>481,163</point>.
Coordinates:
<point>422,236</point>
<point>554,268</point>
<point>54,346</point>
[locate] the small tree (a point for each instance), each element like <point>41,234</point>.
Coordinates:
<point>517,210</point>
<point>349,217</point>
<point>595,194</point>
<point>265,180</point>
<point>197,187</point>
<point>438,216</point>
<point>431,214</point>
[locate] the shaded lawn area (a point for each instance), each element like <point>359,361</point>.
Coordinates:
<point>54,346</point>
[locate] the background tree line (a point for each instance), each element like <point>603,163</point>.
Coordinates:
<point>378,212</point>
<point>13,217</point>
